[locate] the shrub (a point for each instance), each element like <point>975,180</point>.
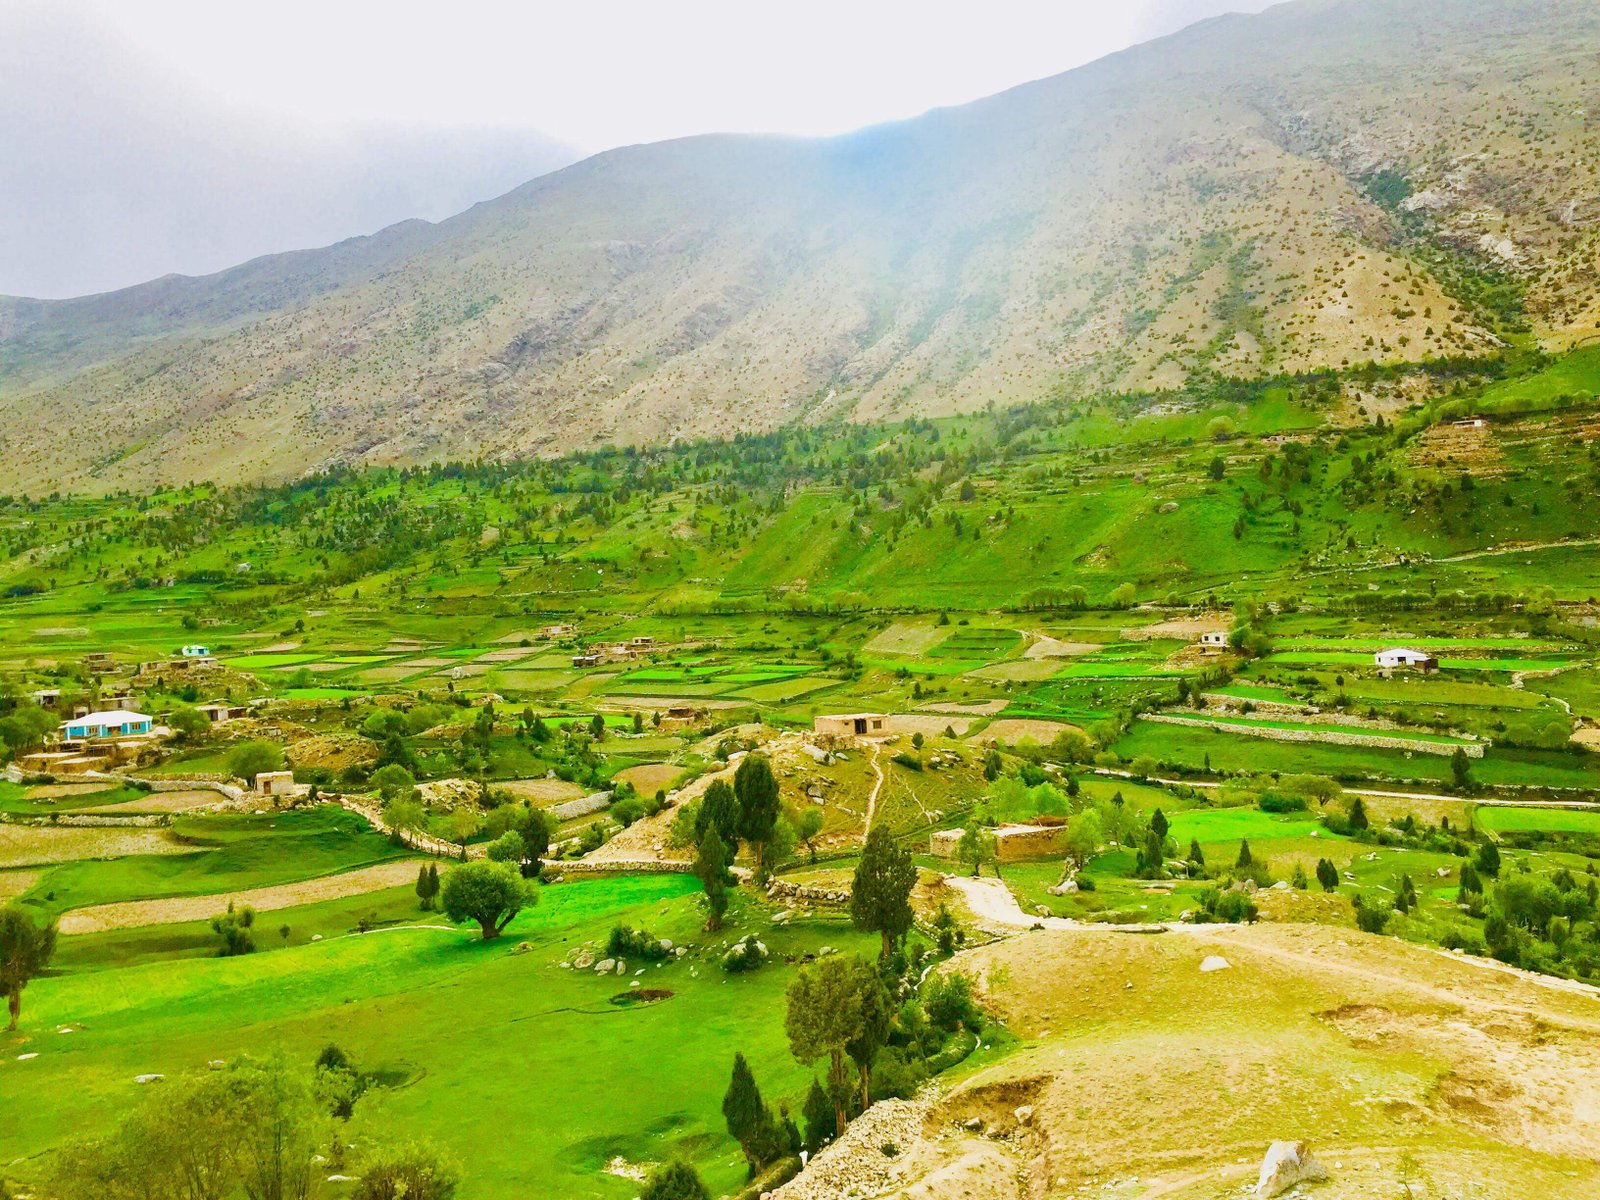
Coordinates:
<point>745,956</point>
<point>947,998</point>
<point>626,942</point>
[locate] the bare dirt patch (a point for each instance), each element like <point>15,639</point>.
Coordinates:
<point>1022,670</point>
<point>134,913</point>
<point>1188,628</point>
<point>927,724</point>
<point>34,846</point>
<point>14,883</point>
<point>541,792</point>
<point>1043,646</point>
<point>975,708</point>
<point>168,802</point>
<point>55,791</point>
<point>1013,729</point>
<point>649,778</point>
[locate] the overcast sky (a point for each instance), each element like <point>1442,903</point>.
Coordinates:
<point>146,136</point>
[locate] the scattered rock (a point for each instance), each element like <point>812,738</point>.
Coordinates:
<point>1286,1164</point>
<point>1024,1114</point>
<point>523,948</point>
<point>584,961</point>
<point>1215,962</point>
<point>604,965</point>
<point>148,1078</point>
<point>32,1054</point>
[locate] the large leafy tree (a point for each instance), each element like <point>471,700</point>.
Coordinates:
<point>26,946</point>
<point>489,893</point>
<point>757,790</point>
<point>880,896</point>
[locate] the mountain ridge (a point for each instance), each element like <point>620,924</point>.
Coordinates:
<point>1327,183</point>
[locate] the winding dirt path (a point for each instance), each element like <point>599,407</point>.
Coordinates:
<point>872,797</point>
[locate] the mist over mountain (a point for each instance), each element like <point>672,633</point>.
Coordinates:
<point>114,174</point>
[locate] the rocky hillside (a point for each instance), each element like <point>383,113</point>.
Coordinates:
<point>1331,182</point>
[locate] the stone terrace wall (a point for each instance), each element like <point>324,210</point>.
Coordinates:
<point>1332,736</point>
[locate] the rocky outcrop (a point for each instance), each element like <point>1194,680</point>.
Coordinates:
<point>1287,1164</point>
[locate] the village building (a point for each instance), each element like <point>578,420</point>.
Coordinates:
<point>1214,641</point>
<point>558,630</point>
<point>48,699</point>
<point>589,659</point>
<point>1401,659</point>
<point>98,662</point>
<point>195,651</point>
<point>218,711</point>
<point>1012,843</point>
<point>112,723</point>
<point>851,725</point>
<point>275,783</point>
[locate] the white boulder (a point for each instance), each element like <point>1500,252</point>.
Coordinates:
<point>1287,1164</point>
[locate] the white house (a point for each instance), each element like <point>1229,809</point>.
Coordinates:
<point>1214,640</point>
<point>196,651</point>
<point>118,722</point>
<point>1401,659</point>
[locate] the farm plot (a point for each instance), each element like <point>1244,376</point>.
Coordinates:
<point>1538,820</point>
<point>28,846</point>
<point>131,914</point>
<point>908,639</point>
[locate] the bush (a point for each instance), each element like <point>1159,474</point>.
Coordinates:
<point>746,955</point>
<point>895,1077</point>
<point>626,942</point>
<point>909,761</point>
<point>1372,916</point>
<point>410,1171</point>
<point>947,998</point>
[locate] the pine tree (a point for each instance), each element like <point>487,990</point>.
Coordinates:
<point>745,1112</point>
<point>711,865</point>
<point>880,896</point>
<point>1244,860</point>
<point>1158,824</point>
<point>424,897</point>
<point>1196,855</point>
<point>757,790</point>
<point>1488,862</point>
<point>822,1123</point>
<point>719,809</point>
<point>1358,815</point>
<point>1327,874</point>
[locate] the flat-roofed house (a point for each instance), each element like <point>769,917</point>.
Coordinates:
<point>114,723</point>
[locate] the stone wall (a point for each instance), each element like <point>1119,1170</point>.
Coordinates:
<point>1332,736</point>
<point>581,807</point>
<point>87,820</point>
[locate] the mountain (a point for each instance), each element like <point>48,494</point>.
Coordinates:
<point>1328,183</point>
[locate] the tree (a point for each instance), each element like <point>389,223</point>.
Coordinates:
<point>394,782</point>
<point>1244,862</point>
<point>249,759</point>
<point>26,947</point>
<point>1358,815</point>
<point>279,1127</point>
<point>826,1011</point>
<point>1218,467</point>
<point>977,846</point>
<point>675,1180</point>
<point>807,826</point>
<point>486,892</point>
<point>1196,855</point>
<point>757,790</point>
<point>427,886</point>
<point>1159,825</point>
<point>1327,874</point>
<point>822,1121</point>
<point>413,1170</point>
<point>533,825</point>
<point>1461,769</point>
<point>877,1014</point>
<point>1487,860</point>
<point>746,1114</point>
<point>508,848</point>
<point>597,727</point>
<point>711,866</point>
<point>188,722</point>
<point>880,895</point>
<point>1082,838</point>
<point>235,928</point>
<point>719,810</point>
<point>404,815</point>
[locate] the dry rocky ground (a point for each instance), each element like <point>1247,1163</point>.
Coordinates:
<point>1142,1076</point>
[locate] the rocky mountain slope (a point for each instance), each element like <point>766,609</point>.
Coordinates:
<point>1331,182</point>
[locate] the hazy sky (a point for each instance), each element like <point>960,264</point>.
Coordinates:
<point>146,136</point>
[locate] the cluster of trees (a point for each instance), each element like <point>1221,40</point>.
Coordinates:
<point>746,812</point>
